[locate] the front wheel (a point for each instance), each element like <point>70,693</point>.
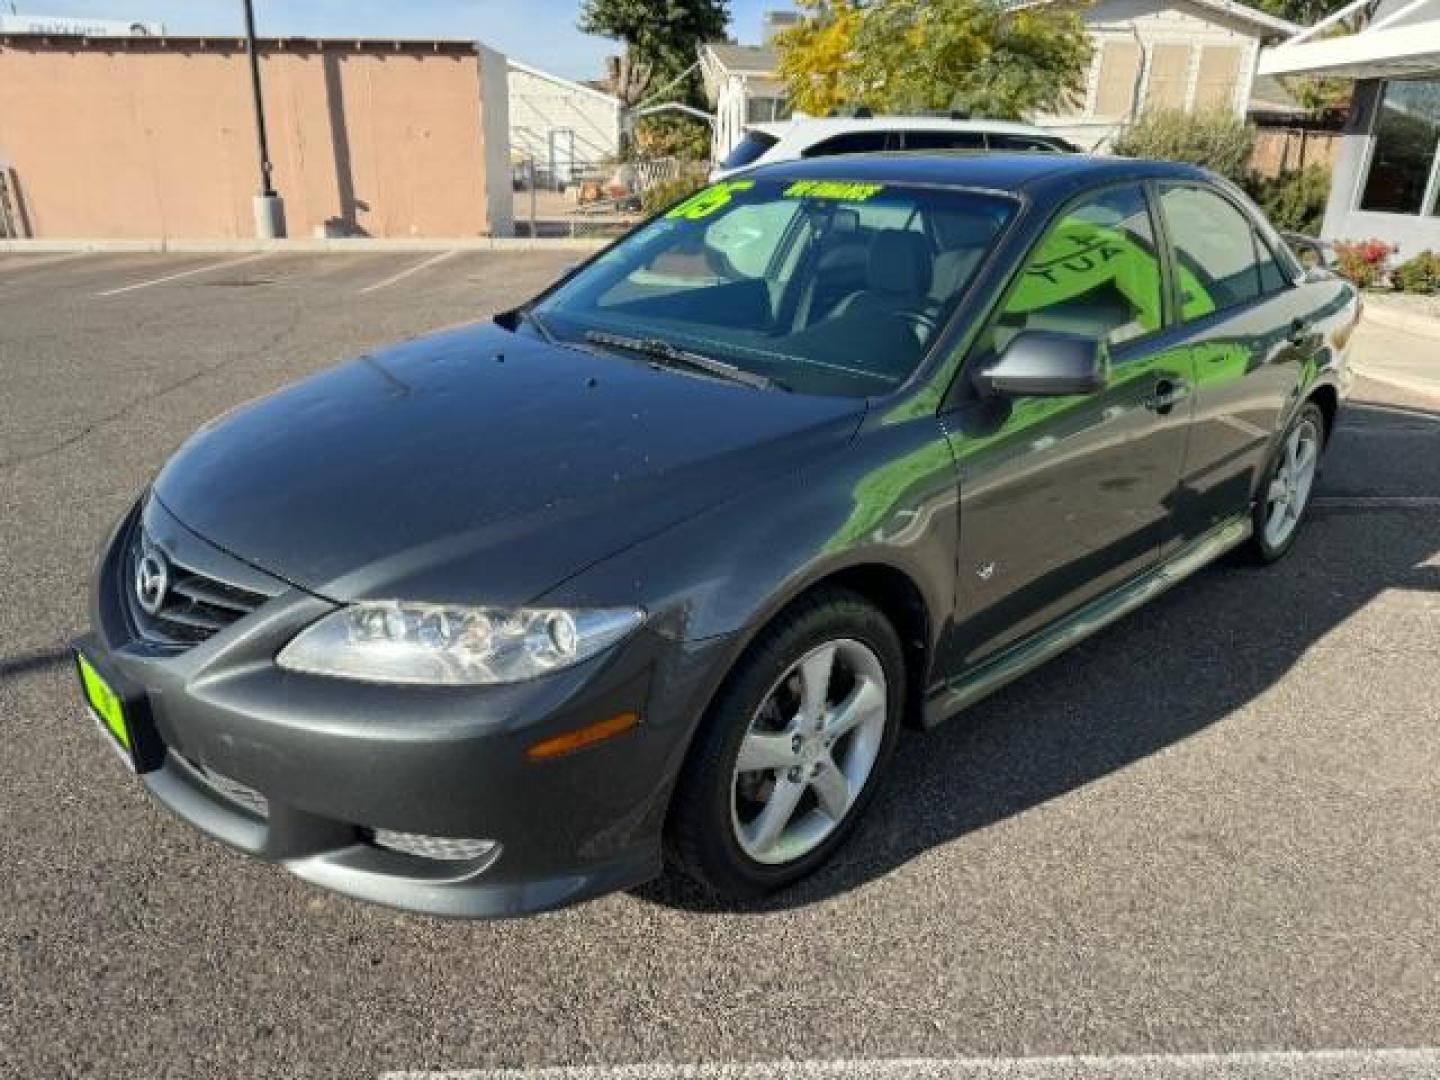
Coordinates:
<point>1289,482</point>
<point>789,754</point>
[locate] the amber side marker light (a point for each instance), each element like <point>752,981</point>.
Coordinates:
<point>580,738</point>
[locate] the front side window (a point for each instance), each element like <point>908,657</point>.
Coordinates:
<point>1216,250</point>
<point>1096,273</point>
<point>827,286</point>
<point>1407,129</point>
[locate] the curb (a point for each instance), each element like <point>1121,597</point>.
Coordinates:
<point>336,246</point>
<point>1411,323</point>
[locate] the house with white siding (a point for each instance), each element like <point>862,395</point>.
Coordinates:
<point>562,125</point>
<point>1185,54</point>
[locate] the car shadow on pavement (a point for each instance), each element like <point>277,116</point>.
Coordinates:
<point>1187,661</point>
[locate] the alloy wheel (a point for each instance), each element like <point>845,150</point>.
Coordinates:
<point>809,751</point>
<point>1291,484</point>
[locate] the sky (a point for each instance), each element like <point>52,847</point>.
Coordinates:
<point>539,32</point>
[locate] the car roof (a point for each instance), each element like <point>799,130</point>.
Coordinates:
<point>834,125</point>
<point>968,169</point>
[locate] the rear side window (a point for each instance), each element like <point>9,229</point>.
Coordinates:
<point>944,140</point>
<point>1217,251</point>
<point>748,150</point>
<point>852,142</point>
<point>1023,142</point>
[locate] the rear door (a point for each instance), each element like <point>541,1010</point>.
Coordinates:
<point>1246,324</point>
<point>1064,498</point>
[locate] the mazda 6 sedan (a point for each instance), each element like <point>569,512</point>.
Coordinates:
<point>651,570</point>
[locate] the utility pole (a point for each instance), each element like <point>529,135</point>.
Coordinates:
<point>269,209</point>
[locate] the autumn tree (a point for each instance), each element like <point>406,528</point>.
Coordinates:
<point>817,56</point>
<point>985,57</point>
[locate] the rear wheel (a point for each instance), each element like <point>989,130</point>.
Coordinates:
<point>790,753</point>
<point>1289,483</point>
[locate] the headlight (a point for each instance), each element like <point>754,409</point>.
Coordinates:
<point>396,642</point>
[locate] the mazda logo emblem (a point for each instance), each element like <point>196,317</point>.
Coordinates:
<point>152,582</point>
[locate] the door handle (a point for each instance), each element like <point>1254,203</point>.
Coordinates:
<point>1299,332</point>
<point>1168,393</point>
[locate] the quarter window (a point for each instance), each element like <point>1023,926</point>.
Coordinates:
<point>1095,273</point>
<point>1217,252</point>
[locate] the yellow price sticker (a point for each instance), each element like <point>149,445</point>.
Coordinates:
<point>710,200</point>
<point>845,190</point>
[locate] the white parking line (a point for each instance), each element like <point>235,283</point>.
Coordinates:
<point>424,265</point>
<point>1376,502</point>
<point>184,274</point>
<point>32,262</point>
<point>1276,1065</point>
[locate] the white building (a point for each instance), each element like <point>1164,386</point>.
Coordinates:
<point>561,124</point>
<point>1386,182</point>
<point>1187,54</point>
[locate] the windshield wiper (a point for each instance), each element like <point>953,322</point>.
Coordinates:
<point>673,355</point>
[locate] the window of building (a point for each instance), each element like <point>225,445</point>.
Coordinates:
<point>1407,129</point>
<point>766,110</point>
<point>1168,84</point>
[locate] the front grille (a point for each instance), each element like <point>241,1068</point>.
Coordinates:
<point>232,791</point>
<point>195,606</point>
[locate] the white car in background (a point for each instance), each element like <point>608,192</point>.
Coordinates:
<point>807,137</point>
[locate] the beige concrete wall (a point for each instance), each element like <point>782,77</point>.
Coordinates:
<point>116,140</point>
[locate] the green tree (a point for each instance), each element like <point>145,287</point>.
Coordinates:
<point>661,37</point>
<point>985,57</point>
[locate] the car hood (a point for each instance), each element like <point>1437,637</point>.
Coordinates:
<point>480,466</point>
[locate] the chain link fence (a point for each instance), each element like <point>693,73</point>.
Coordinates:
<point>599,199</point>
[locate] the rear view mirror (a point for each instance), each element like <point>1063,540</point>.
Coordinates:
<point>1044,363</point>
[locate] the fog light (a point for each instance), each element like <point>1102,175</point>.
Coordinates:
<point>440,848</point>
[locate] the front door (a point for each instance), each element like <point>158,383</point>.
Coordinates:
<point>1064,498</point>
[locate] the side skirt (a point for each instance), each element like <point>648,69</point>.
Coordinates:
<point>1074,628</point>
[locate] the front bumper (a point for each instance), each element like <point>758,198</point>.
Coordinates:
<point>302,770</point>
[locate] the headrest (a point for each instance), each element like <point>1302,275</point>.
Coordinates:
<point>900,262</point>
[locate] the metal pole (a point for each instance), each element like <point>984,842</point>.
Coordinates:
<point>269,213</point>
<point>261,135</point>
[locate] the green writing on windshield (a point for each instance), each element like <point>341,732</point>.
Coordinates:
<point>846,190</point>
<point>710,200</point>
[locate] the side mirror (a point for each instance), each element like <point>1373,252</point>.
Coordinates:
<point>1045,363</point>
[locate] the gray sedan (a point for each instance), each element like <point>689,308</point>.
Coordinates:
<point>654,568</point>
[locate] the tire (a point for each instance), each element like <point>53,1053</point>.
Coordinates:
<point>716,832</point>
<point>1270,543</point>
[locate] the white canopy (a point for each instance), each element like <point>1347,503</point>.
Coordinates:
<point>1403,42</point>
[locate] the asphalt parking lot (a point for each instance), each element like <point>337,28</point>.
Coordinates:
<point>1213,829</point>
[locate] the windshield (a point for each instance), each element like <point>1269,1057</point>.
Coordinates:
<point>748,150</point>
<point>823,286</point>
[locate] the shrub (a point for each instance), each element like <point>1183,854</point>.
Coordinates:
<point>661,194</point>
<point>1362,261</point>
<point>1215,139</point>
<point>1420,274</point>
<point>1293,200</point>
